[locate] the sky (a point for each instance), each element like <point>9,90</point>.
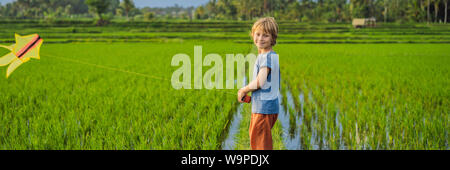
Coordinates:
<point>154,3</point>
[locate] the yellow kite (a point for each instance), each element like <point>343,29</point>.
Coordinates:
<point>26,47</point>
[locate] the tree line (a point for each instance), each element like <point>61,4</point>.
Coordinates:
<point>294,10</point>
<point>327,10</point>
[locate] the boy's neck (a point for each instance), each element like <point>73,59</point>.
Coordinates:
<point>264,50</point>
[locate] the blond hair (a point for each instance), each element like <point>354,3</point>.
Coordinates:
<point>269,26</point>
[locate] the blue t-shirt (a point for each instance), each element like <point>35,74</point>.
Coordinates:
<point>265,99</point>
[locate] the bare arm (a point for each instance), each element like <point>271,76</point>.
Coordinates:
<point>260,80</point>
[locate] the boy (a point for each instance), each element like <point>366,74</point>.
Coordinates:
<point>265,85</point>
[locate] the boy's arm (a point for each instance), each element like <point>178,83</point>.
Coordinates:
<point>254,85</point>
<point>261,79</point>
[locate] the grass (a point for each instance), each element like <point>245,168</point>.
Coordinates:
<point>379,88</point>
<point>389,96</point>
<point>55,104</point>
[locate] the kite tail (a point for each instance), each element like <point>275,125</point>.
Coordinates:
<point>12,67</point>
<point>8,58</point>
<point>8,47</point>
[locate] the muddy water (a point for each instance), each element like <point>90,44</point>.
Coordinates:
<point>290,132</point>
<point>292,124</point>
<point>230,141</point>
<point>292,138</point>
<point>337,122</point>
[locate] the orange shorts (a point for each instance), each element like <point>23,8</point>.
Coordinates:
<point>260,131</point>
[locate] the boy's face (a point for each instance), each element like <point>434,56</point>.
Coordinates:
<point>261,39</point>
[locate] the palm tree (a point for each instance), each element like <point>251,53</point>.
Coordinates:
<point>385,10</point>
<point>436,9</point>
<point>446,8</point>
<point>99,6</point>
<point>428,12</point>
<point>127,5</point>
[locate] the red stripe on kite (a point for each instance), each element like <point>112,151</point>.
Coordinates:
<point>29,46</point>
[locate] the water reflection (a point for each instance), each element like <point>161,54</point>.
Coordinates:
<point>230,141</point>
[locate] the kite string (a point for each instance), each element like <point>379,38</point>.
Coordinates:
<point>116,69</point>
<point>109,68</point>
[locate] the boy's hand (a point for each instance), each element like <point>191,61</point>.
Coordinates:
<point>241,94</point>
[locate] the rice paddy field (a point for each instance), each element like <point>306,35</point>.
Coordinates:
<point>109,87</point>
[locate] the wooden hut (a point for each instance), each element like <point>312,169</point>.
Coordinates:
<point>364,22</point>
